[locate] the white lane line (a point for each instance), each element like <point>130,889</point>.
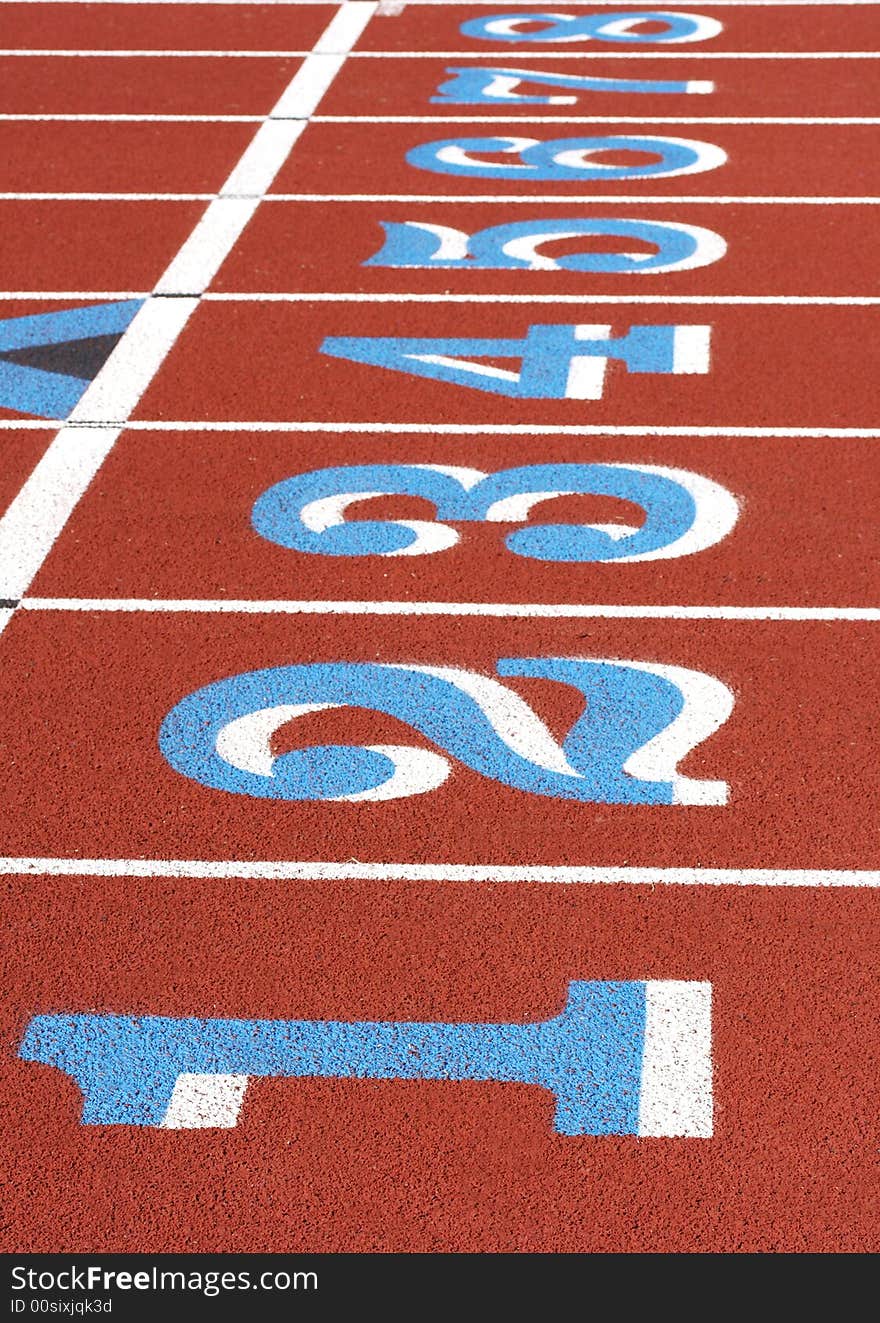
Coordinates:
<point>530,4</point>
<point>491,53</point>
<point>202,254</point>
<point>485,120</point>
<point>43,505</point>
<point>757,300</point>
<point>107,197</point>
<point>281,870</point>
<point>257,168</point>
<point>119,385</point>
<point>509,199</point>
<point>219,229</point>
<point>79,53</point>
<point>78,295</point>
<point>614,4</point>
<point>458,429</point>
<point>494,429</point>
<point>567,199</point>
<point>135,119</point>
<point>462,429</point>
<point>740,4</point>
<point>250,296</point>
<point>509,610</point>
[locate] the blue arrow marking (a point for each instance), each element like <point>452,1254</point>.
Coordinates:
<point>28,388</point>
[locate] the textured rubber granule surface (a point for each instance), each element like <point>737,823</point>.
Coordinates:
<point>438,627</point>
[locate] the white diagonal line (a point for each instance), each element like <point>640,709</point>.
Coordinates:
<point>42,507</point>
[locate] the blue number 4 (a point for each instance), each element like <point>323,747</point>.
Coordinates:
<point>556,362</point>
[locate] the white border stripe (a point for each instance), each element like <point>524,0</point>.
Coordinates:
<point>495,429</point>
<point>152,53</point>
<point>568,199</point>
<point>516,610</point>
<point>283,870</point>
<point>202,254</point>
<point>263,158</point>
<point>114,118</point>
<point>675,1098</point>
<point>491,53</point>
<point>495,53</point>
<point>462,429</point>
<point>616,4</point>
<point>485,121</point>
<point>84,295</point>
<point>818,300</point>
<point>250,296</point>
<point>43,505</point>
<point>115,391</point>
<point>757,300</point>
<point>107,197</point>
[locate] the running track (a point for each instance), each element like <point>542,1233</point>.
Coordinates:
<point>295,470</point>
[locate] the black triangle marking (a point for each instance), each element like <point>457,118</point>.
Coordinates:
<point>72,358</point>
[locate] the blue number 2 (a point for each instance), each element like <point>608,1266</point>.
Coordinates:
<point>641,719</point>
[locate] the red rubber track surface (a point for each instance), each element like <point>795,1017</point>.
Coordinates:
<point>777,367</point>
<point>785,420</point>
<point>371,1165</point>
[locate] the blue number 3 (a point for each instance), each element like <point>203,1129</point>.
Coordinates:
<point>684,512</point>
